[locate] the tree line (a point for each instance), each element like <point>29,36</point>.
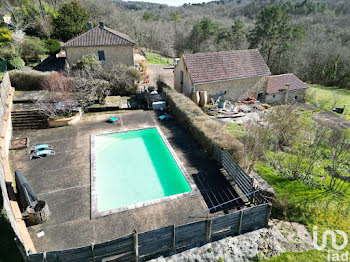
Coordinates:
<point>308,38</point>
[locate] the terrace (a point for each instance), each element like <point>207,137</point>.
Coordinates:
<point>63,181</point>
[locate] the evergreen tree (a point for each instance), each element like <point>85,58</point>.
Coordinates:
<point>71,20</point>
<point>273,34</point>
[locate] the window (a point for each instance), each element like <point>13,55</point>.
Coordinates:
<point>101,55</point>
<point>296,97</point>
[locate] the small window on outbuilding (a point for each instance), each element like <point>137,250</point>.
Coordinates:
<point>296,97</point>
<point>101,55</point>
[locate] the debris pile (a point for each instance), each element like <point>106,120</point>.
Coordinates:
<point>241,111</point>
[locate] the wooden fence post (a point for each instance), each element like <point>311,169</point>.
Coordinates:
<point>240,222</point>
<point>174,239</point>
<point>208,231</point>
<point>136,246</point>
<point>93,251</point>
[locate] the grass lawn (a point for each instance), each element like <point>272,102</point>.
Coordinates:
<point>324,97</point>
<point>307,256</point>
<point>8,248</point>
<point>153,58</point>
<point>298,202</point>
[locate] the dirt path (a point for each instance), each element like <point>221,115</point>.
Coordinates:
<point>167,71</point>
<point>328,117</point>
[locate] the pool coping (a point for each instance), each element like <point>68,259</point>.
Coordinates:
<point>95,213</point>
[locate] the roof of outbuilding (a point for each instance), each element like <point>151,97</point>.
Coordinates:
<point>100,36</point>
<point>225,65</point>
<point>278,82</point>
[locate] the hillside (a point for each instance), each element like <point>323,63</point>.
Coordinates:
<point>227,24</point>
<point>306,37</point>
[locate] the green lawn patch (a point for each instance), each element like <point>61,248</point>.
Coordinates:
<point>310,202</point>
<point>307,256</point>
<point>298,202</point>
<point>324,96</point>
<point>153,58</point>
<point>236,130</point>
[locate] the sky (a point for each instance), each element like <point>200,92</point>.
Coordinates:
<point>174,2</point>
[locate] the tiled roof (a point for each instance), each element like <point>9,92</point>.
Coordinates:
<point>278,82</point>
<point>100,36</point>
<point>225,65</point>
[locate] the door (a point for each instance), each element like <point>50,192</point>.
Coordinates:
<point>182,81</point>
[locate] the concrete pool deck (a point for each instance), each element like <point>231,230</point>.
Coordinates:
<point>63,181</point>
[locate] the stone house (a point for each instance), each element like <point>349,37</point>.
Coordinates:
<point>234,74</point>
<point>286,88</point>
<point>110,46</point>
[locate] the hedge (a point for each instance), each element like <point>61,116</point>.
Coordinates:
<point>27,81</point>
<point>206,131</point>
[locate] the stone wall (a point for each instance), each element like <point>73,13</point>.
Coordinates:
<point>235,90</point>
<point>283,97</point>
<point>187,86</point>
<point>232,89</point>
<point>13,212</point>
<point>113,54</point>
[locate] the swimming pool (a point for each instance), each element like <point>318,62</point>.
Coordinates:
<point>133,169</point>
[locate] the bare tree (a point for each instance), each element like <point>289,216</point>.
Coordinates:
<point>255,143</point>
<point>286,124</point>
<point>58,99</point>
<point>339,149</point>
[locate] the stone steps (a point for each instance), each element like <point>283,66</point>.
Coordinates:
<point>28,120</point>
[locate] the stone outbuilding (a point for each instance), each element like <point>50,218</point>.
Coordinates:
<point>110,46</point>
<point>234,74</point>
<point>286,88</point>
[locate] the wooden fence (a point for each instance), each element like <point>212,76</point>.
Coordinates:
<point>134,246</point>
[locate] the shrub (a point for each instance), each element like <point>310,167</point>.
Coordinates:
<point>120,79</point>
<point>59,99</point>
<point>16,63</point>
<point>89,61</point>
<point>160,83</point>
<point>53,46</point>
<point>11,56</point>
<point>5,35</point>
<point>32,49</point>
<point>26,81</point>
<point>208,133</point>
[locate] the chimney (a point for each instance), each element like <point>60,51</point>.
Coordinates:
<point>101,25</point>
<point>287,87</point>
<point>285,98</point>
<point>89,25</point>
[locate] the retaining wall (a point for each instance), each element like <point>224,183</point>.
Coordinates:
<point>10,204</point>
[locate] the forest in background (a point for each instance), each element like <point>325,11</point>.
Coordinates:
<point>308,38</point>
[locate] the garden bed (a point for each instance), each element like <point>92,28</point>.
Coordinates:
<point>67,121</point>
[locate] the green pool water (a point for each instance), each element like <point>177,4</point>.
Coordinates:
<point>134,167</point>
